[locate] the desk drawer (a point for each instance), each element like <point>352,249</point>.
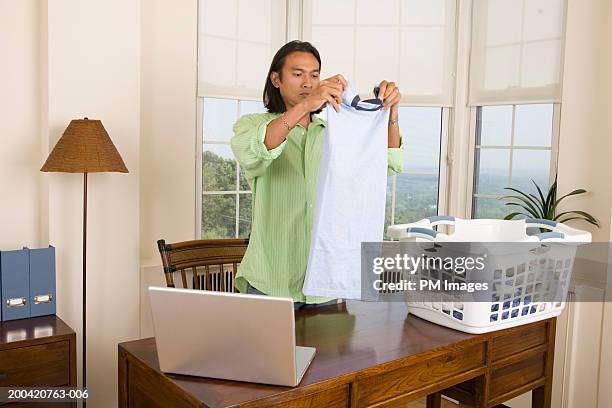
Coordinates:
<point>516,375</point>
<point>519,339</point>
<point>382,387</point>
<point>41,365</point>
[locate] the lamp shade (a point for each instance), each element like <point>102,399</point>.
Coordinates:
<point>85,147</point>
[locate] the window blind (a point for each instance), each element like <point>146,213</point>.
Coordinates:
<point>237,40</point>
<point>517,51</point>
<point>410,42</point>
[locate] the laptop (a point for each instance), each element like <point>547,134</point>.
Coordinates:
<point>230,336</point>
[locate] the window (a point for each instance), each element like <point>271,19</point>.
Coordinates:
<point>413,194</point>
<point>413,43</point>
<point>236,42</point>
<point>514,145</point>
<point>421,33</point>
<point>514,94</point>
<point>226,196</point>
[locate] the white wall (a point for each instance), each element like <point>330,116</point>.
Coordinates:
<point>584,162</point>
<point>131,64</point>
<point>23,203</point>
<point>94,71</point>
<point>168,144</point>
<point>585,143</point>
<point>605,369</point>
<point>168,112</point>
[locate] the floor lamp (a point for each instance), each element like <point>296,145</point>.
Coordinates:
<point>85,147</point>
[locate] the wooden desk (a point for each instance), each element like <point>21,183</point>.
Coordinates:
<point>368,355</point>
<point>37,352</point>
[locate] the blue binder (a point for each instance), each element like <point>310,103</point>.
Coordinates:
<point>15,285</point>
<point>42,281</point>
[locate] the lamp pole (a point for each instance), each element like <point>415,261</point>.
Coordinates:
<point>84,356</point>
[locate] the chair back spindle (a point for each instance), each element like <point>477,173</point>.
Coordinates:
<point>208,262</point>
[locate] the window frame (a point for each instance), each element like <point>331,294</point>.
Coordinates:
<point>443,165</point>
<point>293,29</point>
<point>297,18</point>
<point>200,193</point>
<point>462,136</point>
<point>554,150</point>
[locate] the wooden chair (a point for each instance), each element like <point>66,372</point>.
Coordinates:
<point>203,264</point>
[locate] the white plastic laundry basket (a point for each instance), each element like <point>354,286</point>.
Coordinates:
<point>519,281</point>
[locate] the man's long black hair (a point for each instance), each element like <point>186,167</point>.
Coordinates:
<point>271,95</point>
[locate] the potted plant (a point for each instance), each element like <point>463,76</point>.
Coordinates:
<point>545,207</point>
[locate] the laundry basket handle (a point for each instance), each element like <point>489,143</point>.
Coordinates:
<point>546,236</point>
<point>441,220</point>
<point>541,223</point>
<point>421,232</point>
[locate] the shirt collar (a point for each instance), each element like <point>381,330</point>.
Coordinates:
<point>317,121</point>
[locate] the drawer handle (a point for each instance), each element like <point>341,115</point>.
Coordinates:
<point>16,302</point>
<point>3,376</point>
<point>38,299</point>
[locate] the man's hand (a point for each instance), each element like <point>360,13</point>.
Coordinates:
<point>328,91</point>
<point>390,94</point>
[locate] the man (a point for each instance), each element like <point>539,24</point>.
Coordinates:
<point>280,153</point>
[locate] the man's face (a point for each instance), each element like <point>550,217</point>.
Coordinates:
<point>300,75</point>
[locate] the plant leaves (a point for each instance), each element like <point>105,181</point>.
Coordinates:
<point>575,192</point>
<point>582,213</point>
<point>541,198</point>
<point>532,214</point>
<point>512,215</point>
<point>537,200</point>
<point>531,203</point>
<point>516,190</point>
<point>539,205</point>
<point>550,199</point>
<point>579,218</point>
<point>530,208</point>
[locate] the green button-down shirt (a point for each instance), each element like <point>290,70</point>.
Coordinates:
<point>284,184</point>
